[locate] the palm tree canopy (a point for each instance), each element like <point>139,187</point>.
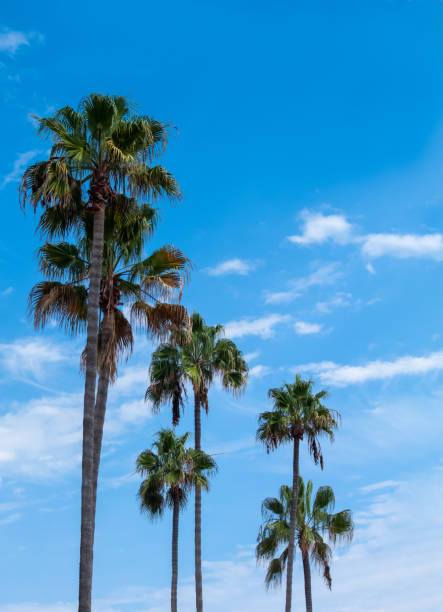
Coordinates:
<point>100,149</point>
<point>197,358</point>
<point>315,519</point>
<point>171,470</point>
<point>127,278</point>
<point>297,412</point>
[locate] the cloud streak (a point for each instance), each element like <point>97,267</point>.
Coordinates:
<point>337,375</point>
<point>231,266</point>
<point>263,326</point>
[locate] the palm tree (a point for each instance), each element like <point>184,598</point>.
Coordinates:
<point>197,359</point>
<point>297,412</point>
<point>127,278</point>
<point>313,522</point>
<point>103,148</point>
<point>171,470</point>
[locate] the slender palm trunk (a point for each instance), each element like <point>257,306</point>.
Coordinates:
<point>307,574</point>
<point>100,404</point>
<point>198,515</point>
<point>175,516</point>
<point>293,520</point>
<point>87,526</point>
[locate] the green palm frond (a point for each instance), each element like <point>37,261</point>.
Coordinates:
<point>62,261</point>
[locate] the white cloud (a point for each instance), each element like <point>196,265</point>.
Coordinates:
<point>340,300</point>
<point>231,266</point>
<point>342,375</point>
<point>31,356</point>
<point>18,167</point>
<point>264,326</point>
<point>259,371</point>
<point>302,328</point>
<point>12,518</point>
<point>324,275</point>
<point>377,486</point>
<point>7,291</point>
<point>251,356</point>
<point>42,437</point>
<point>318,228</point>
<point>403,246</point>
<point>133,378</point>
<point>134,412</point>
<point>370,268</point>
<point>10,41</point>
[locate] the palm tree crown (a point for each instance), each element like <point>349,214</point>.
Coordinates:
<point>297,412</point>
<point>127,278</point>
<point>197,359</point>
<point>314,520</point>
<point>171,470</point>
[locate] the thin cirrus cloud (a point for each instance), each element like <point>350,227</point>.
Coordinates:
<point>323,275</point>
<point>318,228</point>
<point>12,40</point>
<point>263,326</point>
<point>18,167</point>
<point>231,266</point>
<point>337,375</point>
<point>302,328</point>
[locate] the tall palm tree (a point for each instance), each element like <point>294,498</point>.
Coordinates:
<point>196,359</point>
<point>171,470</point>
<point>101,148</point>
<point>313,522</point>
<point>128,278</point>
<point>297,412</point>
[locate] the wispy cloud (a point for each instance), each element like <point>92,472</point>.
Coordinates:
<point>18,167</point>
<point>370,268</point>
<point>302,328</point>
<point>11,40</point>
<point>317,228</point>
<point>342,375</point>
<point>323,275</point>
<point>7,291</point>
<point>259,371</point>
<point>263,326</point>
<point>339,300</point>
<point>31,356</point>
<point>231,266</point>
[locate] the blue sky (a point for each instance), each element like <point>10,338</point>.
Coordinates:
<point>309,150</point>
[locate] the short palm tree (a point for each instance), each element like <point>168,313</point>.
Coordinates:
<point>101,148</point>
<point>297,413</point>
<point>171,470</point>
<point>196,359</point>
<point>140,283</point>
<point>313,522</point>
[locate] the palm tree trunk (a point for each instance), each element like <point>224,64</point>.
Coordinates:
<point>198,514</point>
<point>87,525</point>
<point>100,404</point>
<point>175,516</point>
<point>293,520</point>
<point>307,574</point>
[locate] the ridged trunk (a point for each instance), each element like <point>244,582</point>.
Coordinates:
<point>293,520</point>
<point>198,514</point>
<point>175,516</point>
<point>100,405</point>
<point>307,575</point>
<point>87,523</point>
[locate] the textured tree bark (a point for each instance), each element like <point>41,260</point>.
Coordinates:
<point>198,515</point>
<point>293,520</point>
<point>87,525</point>
<point>100,406</point>
<point>307,575</point>
<point>175,516</point>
